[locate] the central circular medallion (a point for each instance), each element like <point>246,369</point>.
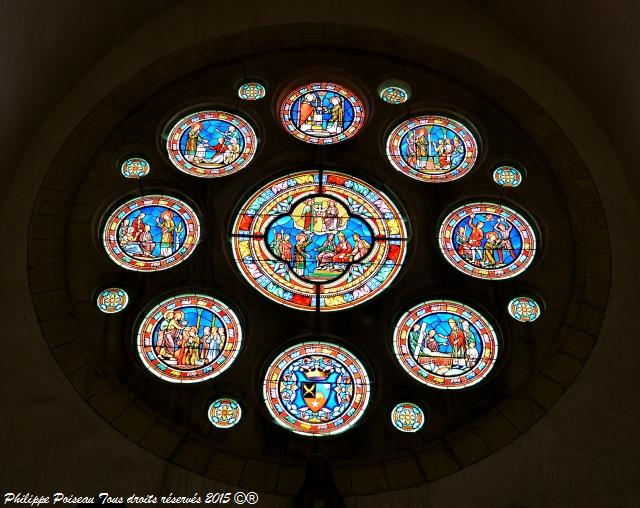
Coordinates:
<point>322,113</point>
<point>316,388</point>
<point>319,240</point>
<point>189,338</point>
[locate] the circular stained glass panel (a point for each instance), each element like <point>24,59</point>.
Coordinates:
<point>319,240</point>
<point>211,144</point>
<point>507,176</point>
<point>394,95</point>
<point>407,417</point>
<point>112,300</point>
<point>251,91</point>
<point>322,113</point>
<point>189,338</point>
<point>316,388</point>
<point>151,233</point>
<point>487,241</point>
<point>524,309</point>
<point>224,413</point>
<point>432,148</point>
<point>135,167</point>
<point>445,344</point>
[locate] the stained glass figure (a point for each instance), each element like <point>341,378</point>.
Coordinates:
<point>524,309</point>
<point>432,148</point>
<point>252,91</point>
<point>135,167</point>
<point>189,338</point>
<point>407,417</point>
<point>316,388</point>
<point>507,176</point>
<point>211,144</point>
<point>487,241</point>
<point>151,233</point>
<point>445,344</point>
<point>322,113</point>
<point>224,413</point>
<point>319,240</point>
<point>112,300</point>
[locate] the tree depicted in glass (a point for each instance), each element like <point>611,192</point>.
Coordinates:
<point>524,309</point>
<point>407,417</point>
<point>251,91</point>
<point>487,241</point>
<point>432,148</point>
<point>316,388</point>
<point>112,300</point>
<point>224,413</point>
<point>211,144</point>
<point>136,167</point>
<point>322,113</point>
<point>189,338</point>
<point>445,344</point>
<point>507,176</point>
<point>319,240</point>
<point>151,233</point>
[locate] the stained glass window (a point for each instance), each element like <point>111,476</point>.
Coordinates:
<point>319,240</point>
<point>432,148</point>
<point>252,91</point>
<point>189,338</point>
<point>151,233</point>
<point>322,113</point>
<point>112,300</point>
<point>524,309</point>
<point>507,176</point>
<point>211,144</point>
<point>445,344</point>
<point>316,388</point>
<point>407,417</point>
<point>135,167</point>
<point>224,413</point>
<point>487,241</point>
<point>394,91</point>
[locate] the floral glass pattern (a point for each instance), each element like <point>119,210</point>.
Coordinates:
<point>211,144</point>
<point>316,388</point>
<point>394,95</point>
<point>189,338</point>
<point>407,417</point>
<point>319,240</point>
<point>322,113</point>
<point>112,300</point>
<point>445,344</point>
<point>487,241</point>
<point>507,176</point>
<point>252,91</point>
<point>224,413</point>
<point>432,148</point>
<point>151,233</point>
<point>524,309</point>
<point>135,167</point>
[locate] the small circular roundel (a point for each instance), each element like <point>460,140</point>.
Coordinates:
<point>487,241</point>
<point>407,417</point>
<point>211,144</point>
<point>251,91</point>
<point>189,338</point>
<point>432,148</point>
<point>135,167</point>
<point>151,233</point>
<point>507,176</point>
<point>445,344</point>
<point>112,300</point>
<point>524,309</point>
<point>322,113</point>
<point>224,413</point>
<point>316,388</point>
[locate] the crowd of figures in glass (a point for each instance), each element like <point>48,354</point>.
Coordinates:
<point>322,113</point>
<point>151,233</point>
<point>316,388</point>
<point>432,148</point>
<point>190,336</point>
<point>487,240</point>
<point>446,344</point>
<point>211,143</point>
